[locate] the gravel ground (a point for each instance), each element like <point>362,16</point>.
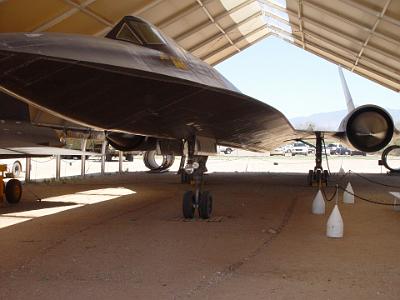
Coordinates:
<point>121,236</point>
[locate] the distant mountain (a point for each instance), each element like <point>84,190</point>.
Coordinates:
<point>331,120</point>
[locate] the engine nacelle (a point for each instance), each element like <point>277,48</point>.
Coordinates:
<point>131,142</point>
<point>368,128</point>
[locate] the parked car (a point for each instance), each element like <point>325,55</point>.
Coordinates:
<point>277,151</point>
<point>343,151</point>
<point>358,152</point>
<point>338,149</point>
<point>300,148</point>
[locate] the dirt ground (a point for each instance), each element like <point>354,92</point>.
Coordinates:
<point>122,237</point>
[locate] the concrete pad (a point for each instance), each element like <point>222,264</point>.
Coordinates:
<point>122,237</point>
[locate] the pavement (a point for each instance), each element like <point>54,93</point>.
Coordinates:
<point>122,236</point>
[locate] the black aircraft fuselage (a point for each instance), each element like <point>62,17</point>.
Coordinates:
<point>136,81</point>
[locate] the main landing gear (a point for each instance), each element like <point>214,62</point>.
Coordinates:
<point>318,176</point>
<point>197,199</point>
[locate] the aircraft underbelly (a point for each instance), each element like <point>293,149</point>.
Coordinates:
<point>115,98</point>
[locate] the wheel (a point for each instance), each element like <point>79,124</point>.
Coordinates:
<point>228,151</point>
<point>129,157</point>
<point>205,205</point>
<point>310,177</point>
<point>16,169</point>
<point>108,157</point>
<point>188,205</point>
<point>185,177</point>
<point>325,177</point>
<point>13,191</point>
<point>318,176</point>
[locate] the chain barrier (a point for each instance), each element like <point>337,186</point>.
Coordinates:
<point>376,182</point>
<point>339,186</point>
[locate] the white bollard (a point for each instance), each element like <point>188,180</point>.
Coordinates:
<point>348,194</point>
<point>318,205</point>
<point>334,226</point>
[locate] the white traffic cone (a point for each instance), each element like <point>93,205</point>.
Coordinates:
<point>334,226</point>
<point>318,205</point>
<point>348,194</point>
<point>341,171</point>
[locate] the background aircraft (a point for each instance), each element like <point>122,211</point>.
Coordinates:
<point>146,93</point>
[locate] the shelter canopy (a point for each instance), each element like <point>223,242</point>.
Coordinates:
<point>361,35</point>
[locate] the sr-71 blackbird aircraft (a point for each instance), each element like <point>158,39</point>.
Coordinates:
<point>146,93</point>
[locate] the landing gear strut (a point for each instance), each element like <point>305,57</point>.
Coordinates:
<point>202,200</point>
<point>318,176</point>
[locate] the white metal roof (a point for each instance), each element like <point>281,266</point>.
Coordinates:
<point>360,35</point>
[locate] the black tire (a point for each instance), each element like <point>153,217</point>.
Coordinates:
<point>108,157</point>
<point>310,177</point>
<point>16,169</point>
<point>325,177</point>
<point>13,191</point>
<point>185,177</point>
<point>129,157</point>
<point>188,205</point>
<point>318,176</point>
<point>205,205</point>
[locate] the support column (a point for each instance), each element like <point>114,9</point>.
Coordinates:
<point>120,160</point>
<point>28,169</point>
<point>83,157</point>
<point>103,156</point>
<point>58,167</point>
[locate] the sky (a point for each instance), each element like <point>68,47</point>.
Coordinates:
<point>299,83</point>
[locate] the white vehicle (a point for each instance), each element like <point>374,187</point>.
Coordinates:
<point>299,148</point>
<point>14,166</point>
<point>277,151</point>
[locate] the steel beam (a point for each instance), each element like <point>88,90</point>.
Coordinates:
<point>371,33</point>
<point>235,41</point>
<point>349,21</point>
<point>331,30</point>
<point>103,156</point>
<point>58,19</point>
<point>242,48</point>
<point>210,17</point>
<point>322,26</point>
<point>28,169</point>
<point>120,160</point>
<point>217,18</point>
<point>315,35</point>
<point>371,11</point>
<point>83,157</point>
<point>181,14</point>
<point>227,30</point>
<point>288,37</point>
<point>342,48</point>
<point>300,18</point>
<point>89,13</point>
<point>58,167</point>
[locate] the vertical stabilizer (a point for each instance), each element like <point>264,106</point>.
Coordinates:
<point>349,100</point>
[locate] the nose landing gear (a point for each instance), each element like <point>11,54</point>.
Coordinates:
<point>197,199</point>
<point>318,176</point>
